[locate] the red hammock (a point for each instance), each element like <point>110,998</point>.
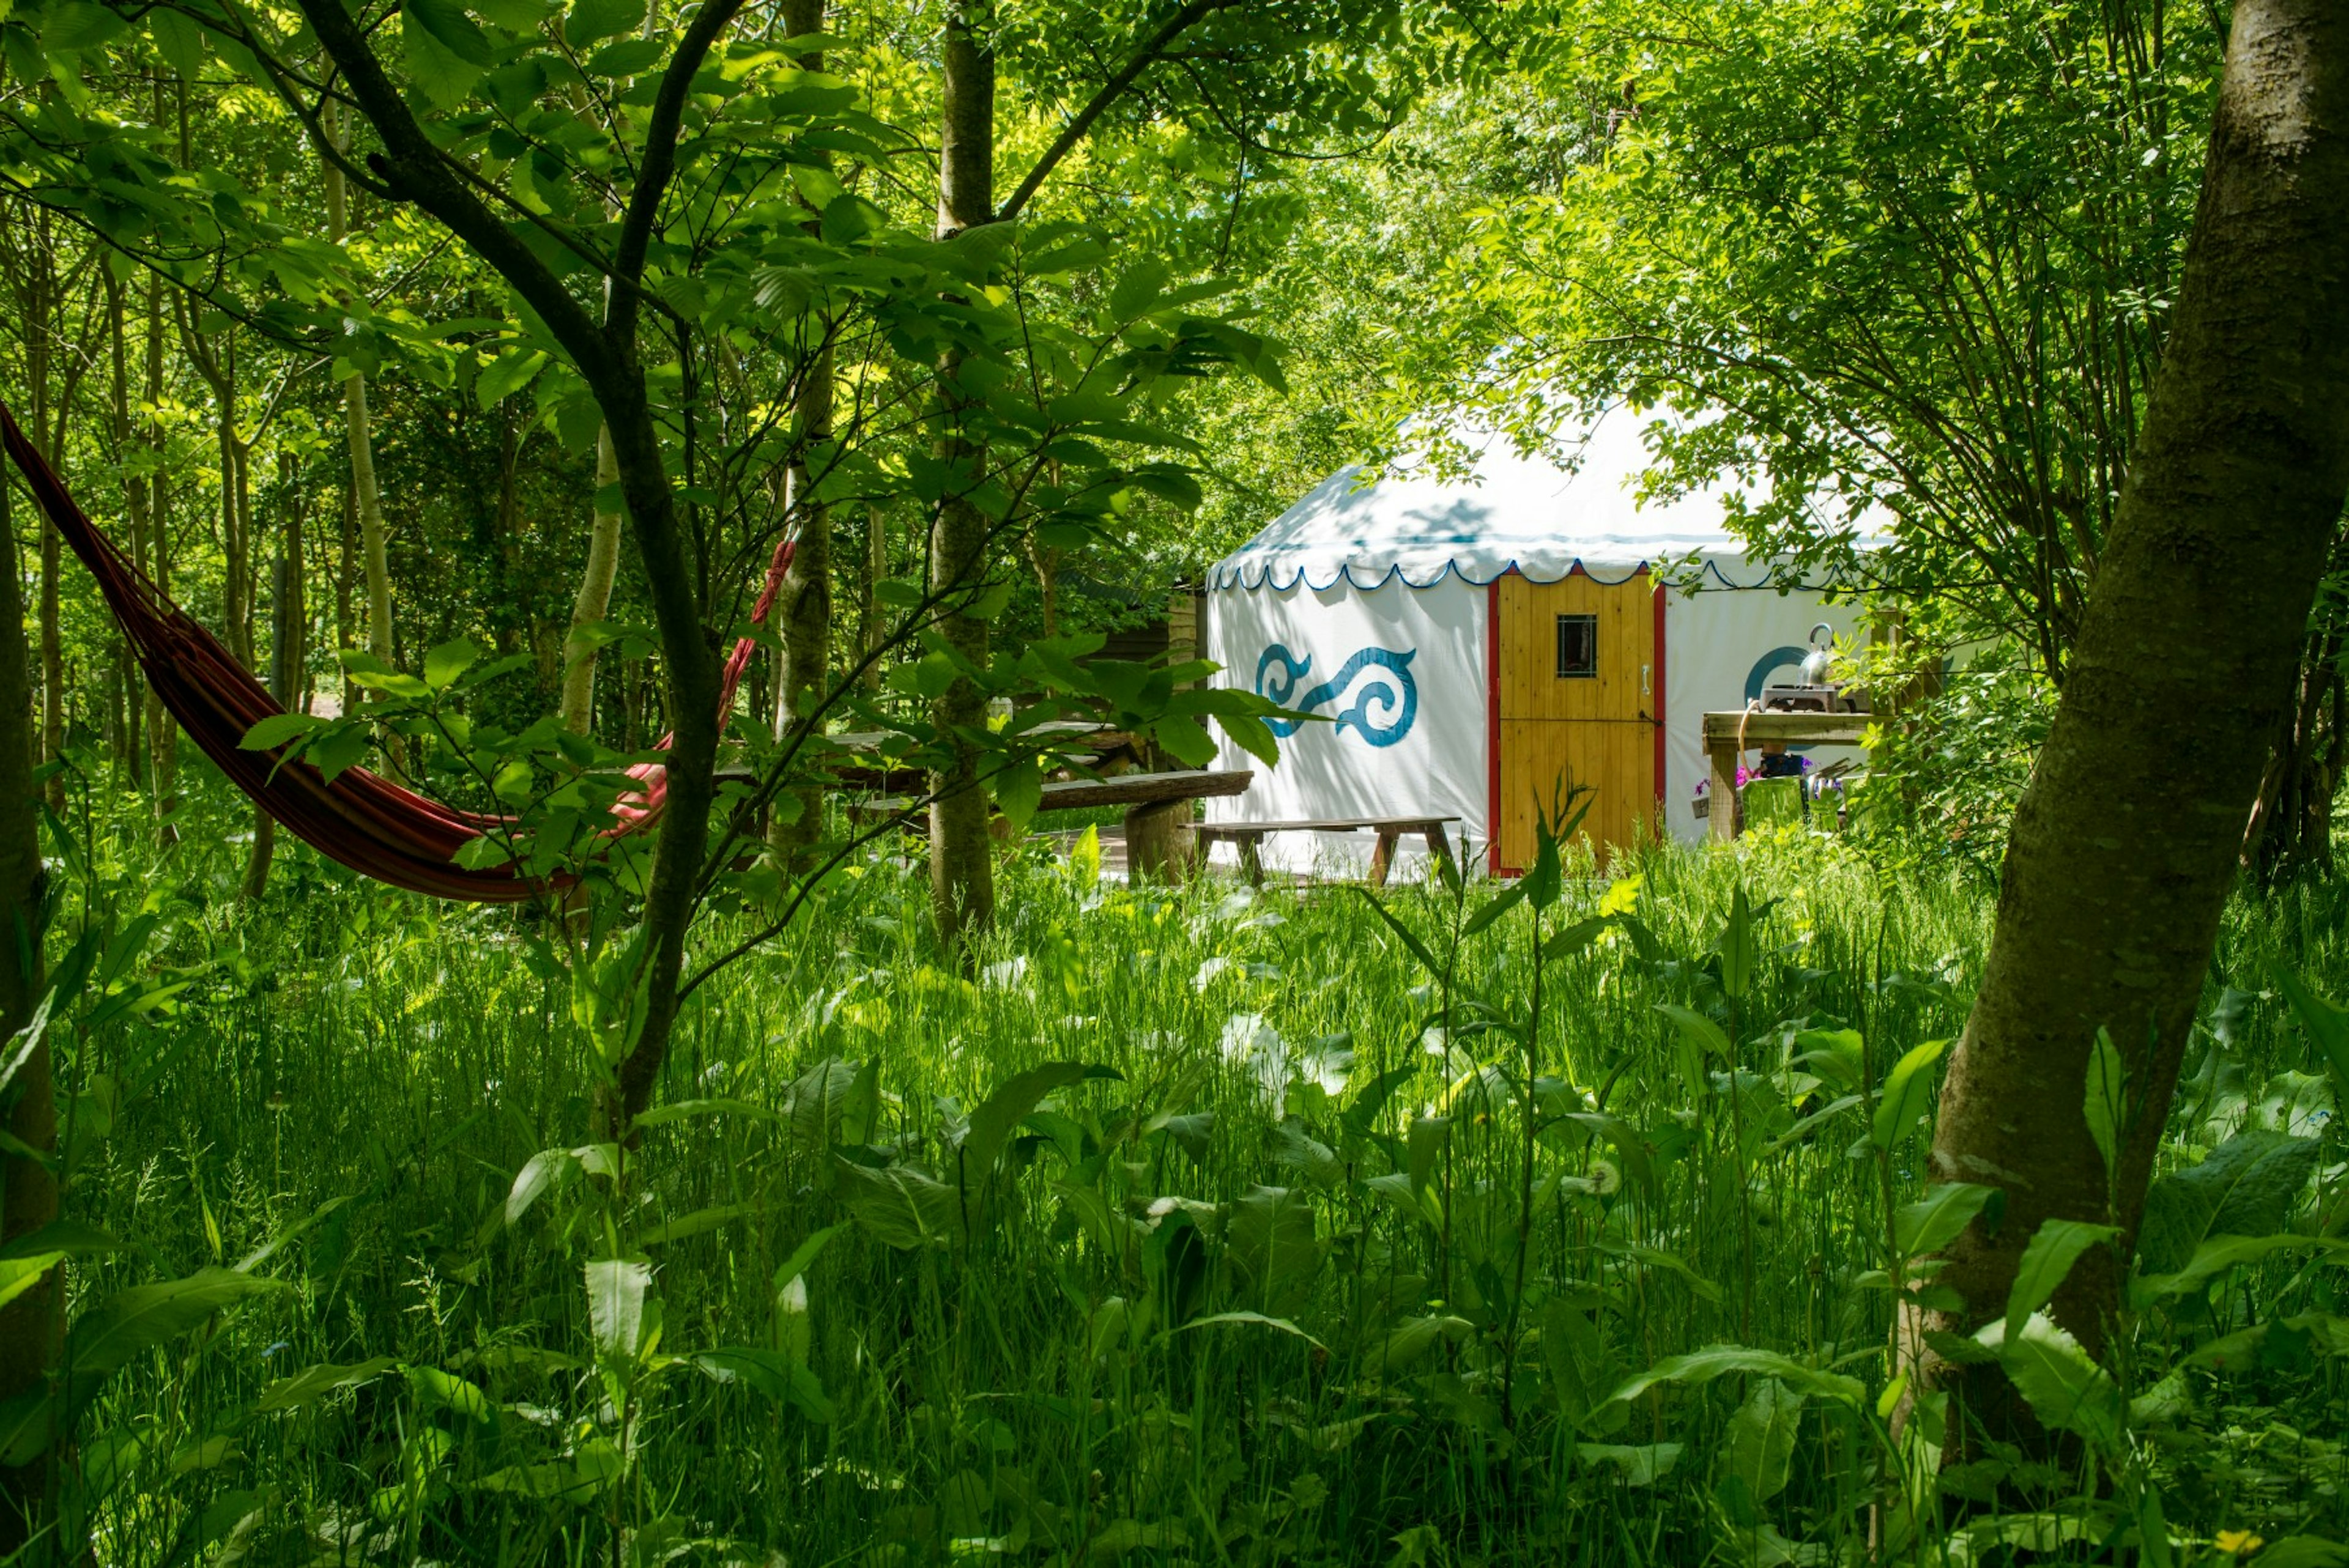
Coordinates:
<point>362,819</point>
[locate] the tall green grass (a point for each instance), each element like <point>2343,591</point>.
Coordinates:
<point>1234,1304</point>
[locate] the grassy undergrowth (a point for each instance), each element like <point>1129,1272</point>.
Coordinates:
<point>1324,1251</point>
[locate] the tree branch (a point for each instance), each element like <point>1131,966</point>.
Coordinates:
<point>1075,131</point>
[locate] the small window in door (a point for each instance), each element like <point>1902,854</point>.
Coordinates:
<point>1577,648</point>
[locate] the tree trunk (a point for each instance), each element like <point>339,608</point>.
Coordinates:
<point>40,333</point>
<point>807,586</point>
<point>871,632</point>
<point>288,621</point>
<point>2125,843</point>
<point>962,871</point>
<point>163,733</point>
<point>595,601</point>
<point>31,1326</point>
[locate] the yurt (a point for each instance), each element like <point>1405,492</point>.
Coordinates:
<point>1477,644</point>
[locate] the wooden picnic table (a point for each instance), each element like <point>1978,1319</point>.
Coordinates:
<point>1725,734</point>
<point>1158,827</point>
<point>1249,837</point>
<point>1106,747</point>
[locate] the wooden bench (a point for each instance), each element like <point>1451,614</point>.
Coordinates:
<point>1248,836</point>
<point>1158,824</point>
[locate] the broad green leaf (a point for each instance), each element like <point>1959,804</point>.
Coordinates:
<point>899,1206</point>
<point>1736,946</point>
<point>991,1124</point>
<point>1493,908</point>
<point>1640,1466</point>
<point>1700,1366</point>
<point>2327,1025</point>
<point>804,1254</point>
<point>1256,1319</point>
<point>2102,1103</point>
<point>591,20</point>
<point>1271,1248</point>
<point>1907,1094</point>
<point>1760,1446</point>
<point>2064,1388</point>
<point>447,24</point>
<point>146,1316</point>
<point>277,729</point>
<point>2245,1186</point>
<point>783,1380</point>
<point>2047,1261</point>
<point>2221,1253</point>
<point>20,1274</point>
<point>67,1238</point>
<point>1698,1030</point>
<point>1934,1221</point>
<point>315,1383</point>
<point>444,663</point>
<point>178,38</point>
<point>507,375</point>
<point>617,1293</point>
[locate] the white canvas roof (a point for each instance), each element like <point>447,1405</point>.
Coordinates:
<point>1514,511</point>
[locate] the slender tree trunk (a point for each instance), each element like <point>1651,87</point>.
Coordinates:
<point>962,871</point>
<point>358,436</point>
<point>287,622</point>
<point>868,606</point>
<point>2125,843</point>
<point>807,587</point>
<point>163,733</point>
<point>595,601</point>
<point>134,496</point>
<point>31,1326</point>
<point>40,337</point>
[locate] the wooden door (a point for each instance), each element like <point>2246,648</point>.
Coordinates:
<point>1578,699</point>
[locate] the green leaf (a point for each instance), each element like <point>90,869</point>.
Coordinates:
<point>2244,1187</point>
<point>899,1206</point>
<point>1135,291</point>
<point>1736,946</point>
<point>1760,1447</point>
<point>178,38</point>
<point>2102,1104</point>
<point>617,1293</point>
<point>446,23</point>
<point>1255,1319</point>
<point>1492,909</point>
<point>2221,1253</point>
<point>1701,1367</point>
<point>782,1379</point>
<point>1907,1094</point>
<point>1698,1030</point>
<point>592,19</point>
<point>628,58</point>
<point>146,1316</point>
<point>2064,1388</point>
<point>1934,1221</point>
<point>2047,1261</point>
<point>312,1384</point>
<point>1417,948</point>
<point>1640,1466</point>
<point>507,375</point>
<point>802,1255</point>
<point>444,663</point>
<point>1271,1248</point>
<point>67,1238</point>
<point>19,1274</point>
<point>2327,1025</point>
<point>277,729</point>
<point>1013,1100</point>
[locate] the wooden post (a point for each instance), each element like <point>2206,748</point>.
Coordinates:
<point>1158,839</point>
<point>1721,794</point>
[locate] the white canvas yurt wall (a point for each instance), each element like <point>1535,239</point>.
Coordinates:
<point>1375,605</point>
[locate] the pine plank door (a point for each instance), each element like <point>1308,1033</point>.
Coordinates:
<point>1577,697</point>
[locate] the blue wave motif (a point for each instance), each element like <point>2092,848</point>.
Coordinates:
<point>1390,686</point>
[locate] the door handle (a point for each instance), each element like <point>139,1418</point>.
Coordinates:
<point>1644,670</point>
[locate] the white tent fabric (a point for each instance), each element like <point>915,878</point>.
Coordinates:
<point>1513,512</point>
<point>1402,675</point>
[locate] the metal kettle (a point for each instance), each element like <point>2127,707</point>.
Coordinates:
<point>1820,663</point>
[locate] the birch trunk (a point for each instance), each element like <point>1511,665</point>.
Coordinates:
<point>595,601</point>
